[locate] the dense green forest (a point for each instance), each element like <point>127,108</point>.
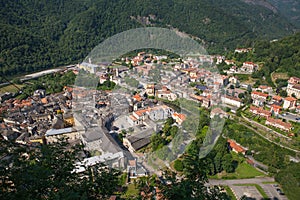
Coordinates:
<point>290,9</point>
<point>40,34</point>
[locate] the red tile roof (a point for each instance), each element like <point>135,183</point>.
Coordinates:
<point>235,146</point>
<point>137,97</point>
<point>259,94</point>
<point>290,99</point>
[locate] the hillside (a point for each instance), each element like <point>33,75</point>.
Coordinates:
<point>39,34</point>
<point>282,56</point>
<point>290,9</point>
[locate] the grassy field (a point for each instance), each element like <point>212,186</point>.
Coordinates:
<point>279,76</point>
<point>275,76</point>
<point>244,170</point>
<point>9,88</point>
<point>131,192</point>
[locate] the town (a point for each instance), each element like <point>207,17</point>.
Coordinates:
<point>136,113</point>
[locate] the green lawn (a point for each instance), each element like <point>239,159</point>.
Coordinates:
<point>244,170</point>
<point>131,192</point>
<point>9,88</point>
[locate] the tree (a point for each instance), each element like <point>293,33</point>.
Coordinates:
<point>47,172</point>
<point>178,166</point>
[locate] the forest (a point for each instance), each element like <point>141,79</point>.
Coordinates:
<point>40,34</point>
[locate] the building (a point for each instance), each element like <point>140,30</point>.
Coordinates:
<point>230,100</point>
<point>265,88</point>
<point>289,103</point>
<point>165,93</point>
<point>249,67</point>
<point>178,117</point>
<point>259,98</point>
<point>236,147</point>
<point>114,160</point>
<point>229,62</point>
<point>54,135</point>
<point>277,123</point>
<point>92,68</point>
<point>218,112</point>
<point>293,90</point>
<point>136,142</point>
<point>260,111</point>
<point>150,90</point>
<point>276,109</point>
<point>242,50</point>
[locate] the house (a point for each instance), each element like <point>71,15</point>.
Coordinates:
<point>150,90</point>
<point>218,112</point>
<point>289,103</point>
<point>242,50</point>
<point>136,142</point>
<point>236,147</point>
<point>233,80</point>
<point>294,80</point>
<point>138,116</point>
<point>293,87</point>
<point>230,100</point>
<point>293,90</point>
<point>276,109</point>
<point>249,67</point>
<point>206,102</point>
<point>92,68</point>
<point>265,88</point>
<point>259,98</point>
<point>229,62</point>
<point>135,170</point>
<point>165,93</point>
<point>277,99</point>
<point>277,123</point>
<point>260,111</point>
<point>178,117</point>
<point>160,112</point>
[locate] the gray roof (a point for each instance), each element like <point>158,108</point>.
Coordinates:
<point>140,140</point>
<point>52,132</point>
<point>92,135</point>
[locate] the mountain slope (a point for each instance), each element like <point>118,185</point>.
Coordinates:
<point>290,9</point>
<point>39,34</point>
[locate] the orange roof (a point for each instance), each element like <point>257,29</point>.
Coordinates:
<point>199,98</point>
<point>235,146</point>
<point>179,115</point>
<point>141,112</point>
<point>290,99</point>
<point>137,97</point>
<point>260,94</point>
<point>277,98</point>
<point>260,110</point>
<point>280,122</point>
<point>133,118</point>
<point>274,106</point>
<point>44,100</point>
<point>249,63</point>
<point>264,87</point>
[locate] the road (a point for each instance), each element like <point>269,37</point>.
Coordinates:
<point>290,117</point>
<point>239,190</point>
